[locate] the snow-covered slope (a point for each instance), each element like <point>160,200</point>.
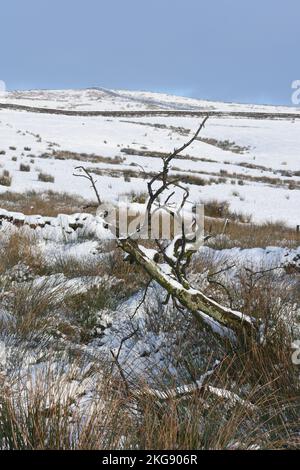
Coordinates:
<point>102,99</point>
<point>252,163</point>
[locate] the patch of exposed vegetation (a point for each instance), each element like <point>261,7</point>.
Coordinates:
<point>158,154</point>
<point>224,145</point>
<point>81,157</point>
<point>5,178</point>
<point>48,203</point>
<point>46,178</point>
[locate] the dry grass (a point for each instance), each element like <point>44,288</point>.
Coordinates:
<point>5,178</point>
<point>267,293</point>
<point>72,266</point>
<point>48,203</point>
<point>137,197</point>
<point>37,414</point>
<point>133,276</point>
<point>241,232</point>
<point>46,178</point>
<point>24,167</point>
<point>33,308</point>
<point>75,408</point>
<point>20,248</point>
<point>82,157</point>
<point>250,235</point>
<point>42,414</point>
<point>204,421</point>
<point>224,145</point>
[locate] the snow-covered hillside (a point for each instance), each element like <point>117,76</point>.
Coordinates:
<point>250,162</point>
<point>102,99</point>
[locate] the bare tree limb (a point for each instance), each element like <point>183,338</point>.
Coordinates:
<point>86,174</point>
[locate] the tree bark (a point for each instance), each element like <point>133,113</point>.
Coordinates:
<point>205,310</point>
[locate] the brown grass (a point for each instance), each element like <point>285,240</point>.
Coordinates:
<point>41,412</point>
<point>33,308</point>
<point>48,203</point>
<point>43,420</point>
<point>112,419</point>
<point>20,248</point>
<point>24,167</point>
<point>81,157</point>
<point>46,178</point>
<point>250,235</point>
<point>5,178</point>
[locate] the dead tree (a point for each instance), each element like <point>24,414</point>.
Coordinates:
<point>167,263</point>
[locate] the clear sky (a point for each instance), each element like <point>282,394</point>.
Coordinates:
<point>231,50</point>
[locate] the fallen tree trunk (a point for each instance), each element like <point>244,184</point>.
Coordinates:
<point>205,310</point>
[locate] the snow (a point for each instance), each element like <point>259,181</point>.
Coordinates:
<point>145,358</point>
<point>102,99</point>
<point>270,146</point>
<point>253,258</point>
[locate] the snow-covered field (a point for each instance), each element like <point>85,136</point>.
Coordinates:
<point>84,335</point>
<point>251,163</point>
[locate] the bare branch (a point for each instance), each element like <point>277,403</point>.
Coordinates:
<point>142,300</point>
<point>89,177</point>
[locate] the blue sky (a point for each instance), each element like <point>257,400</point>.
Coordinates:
<point>231,50</point>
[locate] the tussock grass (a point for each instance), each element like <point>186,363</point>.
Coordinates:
<point>72,266</point>
<point>250,235</point>
<point>46,178</point>
<point>74,398</point>
<point>81,157</point>
<point>242,232</point>
<point>24,167</point>
<point>41,413</point>
<point>20,248</point>
<point>33,307</point>
<point>5,178</point>
<point>48,203</point>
